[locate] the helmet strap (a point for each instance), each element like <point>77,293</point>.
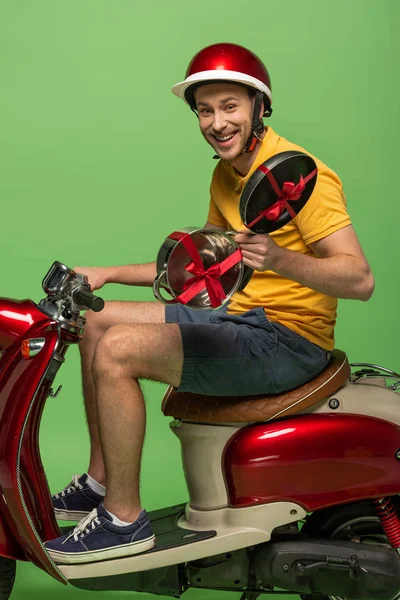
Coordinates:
<point>257,124</point>
<point>192,108</point>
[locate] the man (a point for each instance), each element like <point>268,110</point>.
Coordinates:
<point>275,335</point>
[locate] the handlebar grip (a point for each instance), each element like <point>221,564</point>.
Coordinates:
<point>86,298</point>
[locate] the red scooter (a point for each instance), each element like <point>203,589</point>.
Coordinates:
<point>296,492</point>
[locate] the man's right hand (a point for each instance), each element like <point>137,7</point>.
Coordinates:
<point>97,276</point>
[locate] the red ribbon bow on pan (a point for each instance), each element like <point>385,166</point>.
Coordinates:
<point>204,278</point>
<point>289,192</point>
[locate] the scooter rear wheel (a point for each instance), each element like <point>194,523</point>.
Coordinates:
<point>352,522</point>
<point>7,577</point>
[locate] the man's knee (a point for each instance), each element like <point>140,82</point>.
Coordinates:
<point>112,352</point>
<point>97,323</point>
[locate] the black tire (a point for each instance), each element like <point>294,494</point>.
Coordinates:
<point>7,577</point>
<point>345,523</point>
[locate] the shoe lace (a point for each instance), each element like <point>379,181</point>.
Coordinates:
<point>71,487</point>
<point>90,522</point>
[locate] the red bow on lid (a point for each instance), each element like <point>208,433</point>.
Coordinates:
<point>204,278</point>
<point>289,192</point>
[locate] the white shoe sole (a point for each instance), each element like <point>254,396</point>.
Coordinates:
<point>70,515</point>
<point>75,558</point>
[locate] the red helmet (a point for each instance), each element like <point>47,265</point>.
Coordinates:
<point>225,62</point>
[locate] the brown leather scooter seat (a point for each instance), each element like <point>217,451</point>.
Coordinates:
<point>236,409</point>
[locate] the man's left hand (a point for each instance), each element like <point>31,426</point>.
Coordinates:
<point>259,250</point>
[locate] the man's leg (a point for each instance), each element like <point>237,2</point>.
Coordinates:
<point>114,313</point>
<point>85,492</point>
<point>125,354</point>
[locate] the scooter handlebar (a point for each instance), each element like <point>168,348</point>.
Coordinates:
<point>84,297</point>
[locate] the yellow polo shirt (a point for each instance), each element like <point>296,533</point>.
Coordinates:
<point>305,311</point>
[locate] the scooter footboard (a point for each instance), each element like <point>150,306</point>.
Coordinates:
<point>163,580</point>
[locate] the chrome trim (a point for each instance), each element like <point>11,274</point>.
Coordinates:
<point>58,357</point>
<point>57,278</point>
<point>54,309</point>
<point>36,345</point>
<point>378,373</point>
<point>371,366</point>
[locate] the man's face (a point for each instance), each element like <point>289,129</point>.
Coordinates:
<point>225,111</point>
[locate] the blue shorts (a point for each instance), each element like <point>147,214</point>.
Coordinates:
<point>242,355</point>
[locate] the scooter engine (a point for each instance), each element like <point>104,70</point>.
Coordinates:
<point>223,570</point>
<point>344,569</point>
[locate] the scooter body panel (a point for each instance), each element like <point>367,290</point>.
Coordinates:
<point>16,318</point>
<point>9,546</point>
<point>27,505</point>
<point>313,460</point>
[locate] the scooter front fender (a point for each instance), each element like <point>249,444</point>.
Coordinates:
<point>26,503</point>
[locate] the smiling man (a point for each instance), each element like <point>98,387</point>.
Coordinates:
<point>224,110</point>
<point>275,335</point>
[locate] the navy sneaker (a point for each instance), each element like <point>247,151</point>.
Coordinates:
<point>75,501</point>
<point>97,538</point>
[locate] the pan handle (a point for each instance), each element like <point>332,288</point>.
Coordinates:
<point>247,274</point>
<point>161,280</point>
<point>232,233</point>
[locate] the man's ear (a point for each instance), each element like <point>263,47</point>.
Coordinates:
<point>262,110</point>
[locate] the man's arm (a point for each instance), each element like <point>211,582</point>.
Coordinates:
<point>341,269</point>
<point>141,275</point>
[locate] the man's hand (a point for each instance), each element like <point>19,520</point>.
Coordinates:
<point>259,250</point>
<point>97,276</point>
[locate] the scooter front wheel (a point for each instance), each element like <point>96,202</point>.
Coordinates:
<point>7,577</point>
<point>354,522</point>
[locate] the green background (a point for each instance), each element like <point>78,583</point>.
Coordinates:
<point>99,162</point>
